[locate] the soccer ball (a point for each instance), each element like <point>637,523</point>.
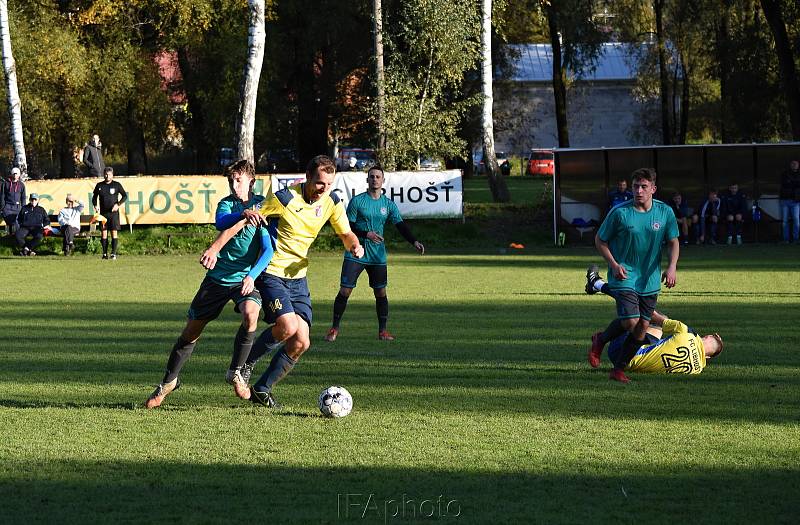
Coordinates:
<point>335,401</point>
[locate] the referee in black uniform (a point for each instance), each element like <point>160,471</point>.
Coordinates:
<point>109,194</point>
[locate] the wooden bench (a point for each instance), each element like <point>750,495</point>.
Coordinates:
<point>86,220</point>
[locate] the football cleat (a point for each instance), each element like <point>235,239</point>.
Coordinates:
<point>240,388</point>
<point>105,256</point>
<point>264,398</point>
<point>618,375</point>
<point>162,391</point>
<point>592,276</point>
<point>113,256</point>
<point>384,335</point>
<point>596,350</point>
<point>331,335</point>
<point>247,371</point>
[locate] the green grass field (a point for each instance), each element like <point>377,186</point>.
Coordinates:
<point>483,411</point>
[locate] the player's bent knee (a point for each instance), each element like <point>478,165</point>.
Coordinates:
<point>628,324</point>
<point>286,326</point>
<point>345,292</point>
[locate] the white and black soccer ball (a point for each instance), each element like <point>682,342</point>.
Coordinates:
<point>335,401</point>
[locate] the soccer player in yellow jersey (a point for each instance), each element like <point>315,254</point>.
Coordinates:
<point>300,211</point>
<point>679,351</point>
<point>683,351</point>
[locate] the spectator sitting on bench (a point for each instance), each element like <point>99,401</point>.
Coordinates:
<point>69,218</point>
<point>31,220</point>
<point>734,208</point>
<point>709,213</point>
<point>681,211</point>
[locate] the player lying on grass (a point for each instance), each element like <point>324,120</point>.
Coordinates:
<point>299,213</point>
<point>674,349</point>
<point>230,278</point>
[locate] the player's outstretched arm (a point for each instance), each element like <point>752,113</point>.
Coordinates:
<point>351,244</point>
<point>405,231</point>
<point>209,257</point>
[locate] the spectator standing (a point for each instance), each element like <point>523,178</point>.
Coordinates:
<point>707,216</point>
<point>31,220</point>
<point>69,218</point>
<point>790,201</point>
<point>681,211</point>
<point>620,195</point>
<point>12,198</point>
<point>93,157</point>
<point>108,195</point>
<point>734,208</point>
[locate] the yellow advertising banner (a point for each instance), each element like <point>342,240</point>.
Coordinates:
<point>174,199</point>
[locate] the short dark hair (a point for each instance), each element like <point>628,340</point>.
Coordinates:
<point>241,166</point>
<point>108,169</point>
<point>648,174</point>
<point>319,163</point>
<point>377,167</point>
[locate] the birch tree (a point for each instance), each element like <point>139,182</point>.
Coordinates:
<point>379,80</point>
<point>497,183</point>
<point>245,125</point>
<point>14,106</point>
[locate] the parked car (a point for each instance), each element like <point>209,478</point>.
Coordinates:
<point>279,161</point>
<point>355,159</point>
<point>429,164</point>
<point>225,156</point>
<point>541,162</point>
<point>502,161</point>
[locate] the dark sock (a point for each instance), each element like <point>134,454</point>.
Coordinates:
<point>714,231</point>
<point>261,346</point>
<point>696,230</point>
<point>613,331</point>
<point>104,244</point>
<point>629,348</point>
<point>114,242</point>
<point>181,351</point>
<point>339,305</point>
<point>280,365</point>
<point>729,228</point>
<point>739,227</point>
<point>606,289</point>
<point>241,347</point>
<point>382,309</point>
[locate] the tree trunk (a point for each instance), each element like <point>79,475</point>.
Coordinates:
<point>205,154</point>
<point>137,155</point>
<point>66,158</point>
<point>663,77</point>
<point>786,62</point>
<point>725,65</point>
<point>497,184</point>
<point>685,90</point>
<point>559,78</point>
<point>14,105</point>
<point>246,122</point>
<point>379,76</point>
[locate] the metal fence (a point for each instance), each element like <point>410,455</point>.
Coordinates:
<point>584,178</point>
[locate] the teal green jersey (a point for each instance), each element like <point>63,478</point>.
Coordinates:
<point>370,215</point>
<point>635,240</point>
<point>241,252</point>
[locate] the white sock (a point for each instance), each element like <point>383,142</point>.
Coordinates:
<point>599,284</point>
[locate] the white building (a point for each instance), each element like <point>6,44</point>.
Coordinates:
<point>602,109</point>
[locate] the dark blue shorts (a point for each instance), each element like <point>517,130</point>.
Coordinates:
<point>282,296</point>
<point>631,305</point>
<point>351,269</point>
<point>615,354</point>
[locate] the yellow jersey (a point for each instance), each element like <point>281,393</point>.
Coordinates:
<point>299,222</point>
<point>681,352</point>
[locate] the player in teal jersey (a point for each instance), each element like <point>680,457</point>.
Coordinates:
<point>368,212</point>
<point>231,278</point>
<point>630,240</point>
